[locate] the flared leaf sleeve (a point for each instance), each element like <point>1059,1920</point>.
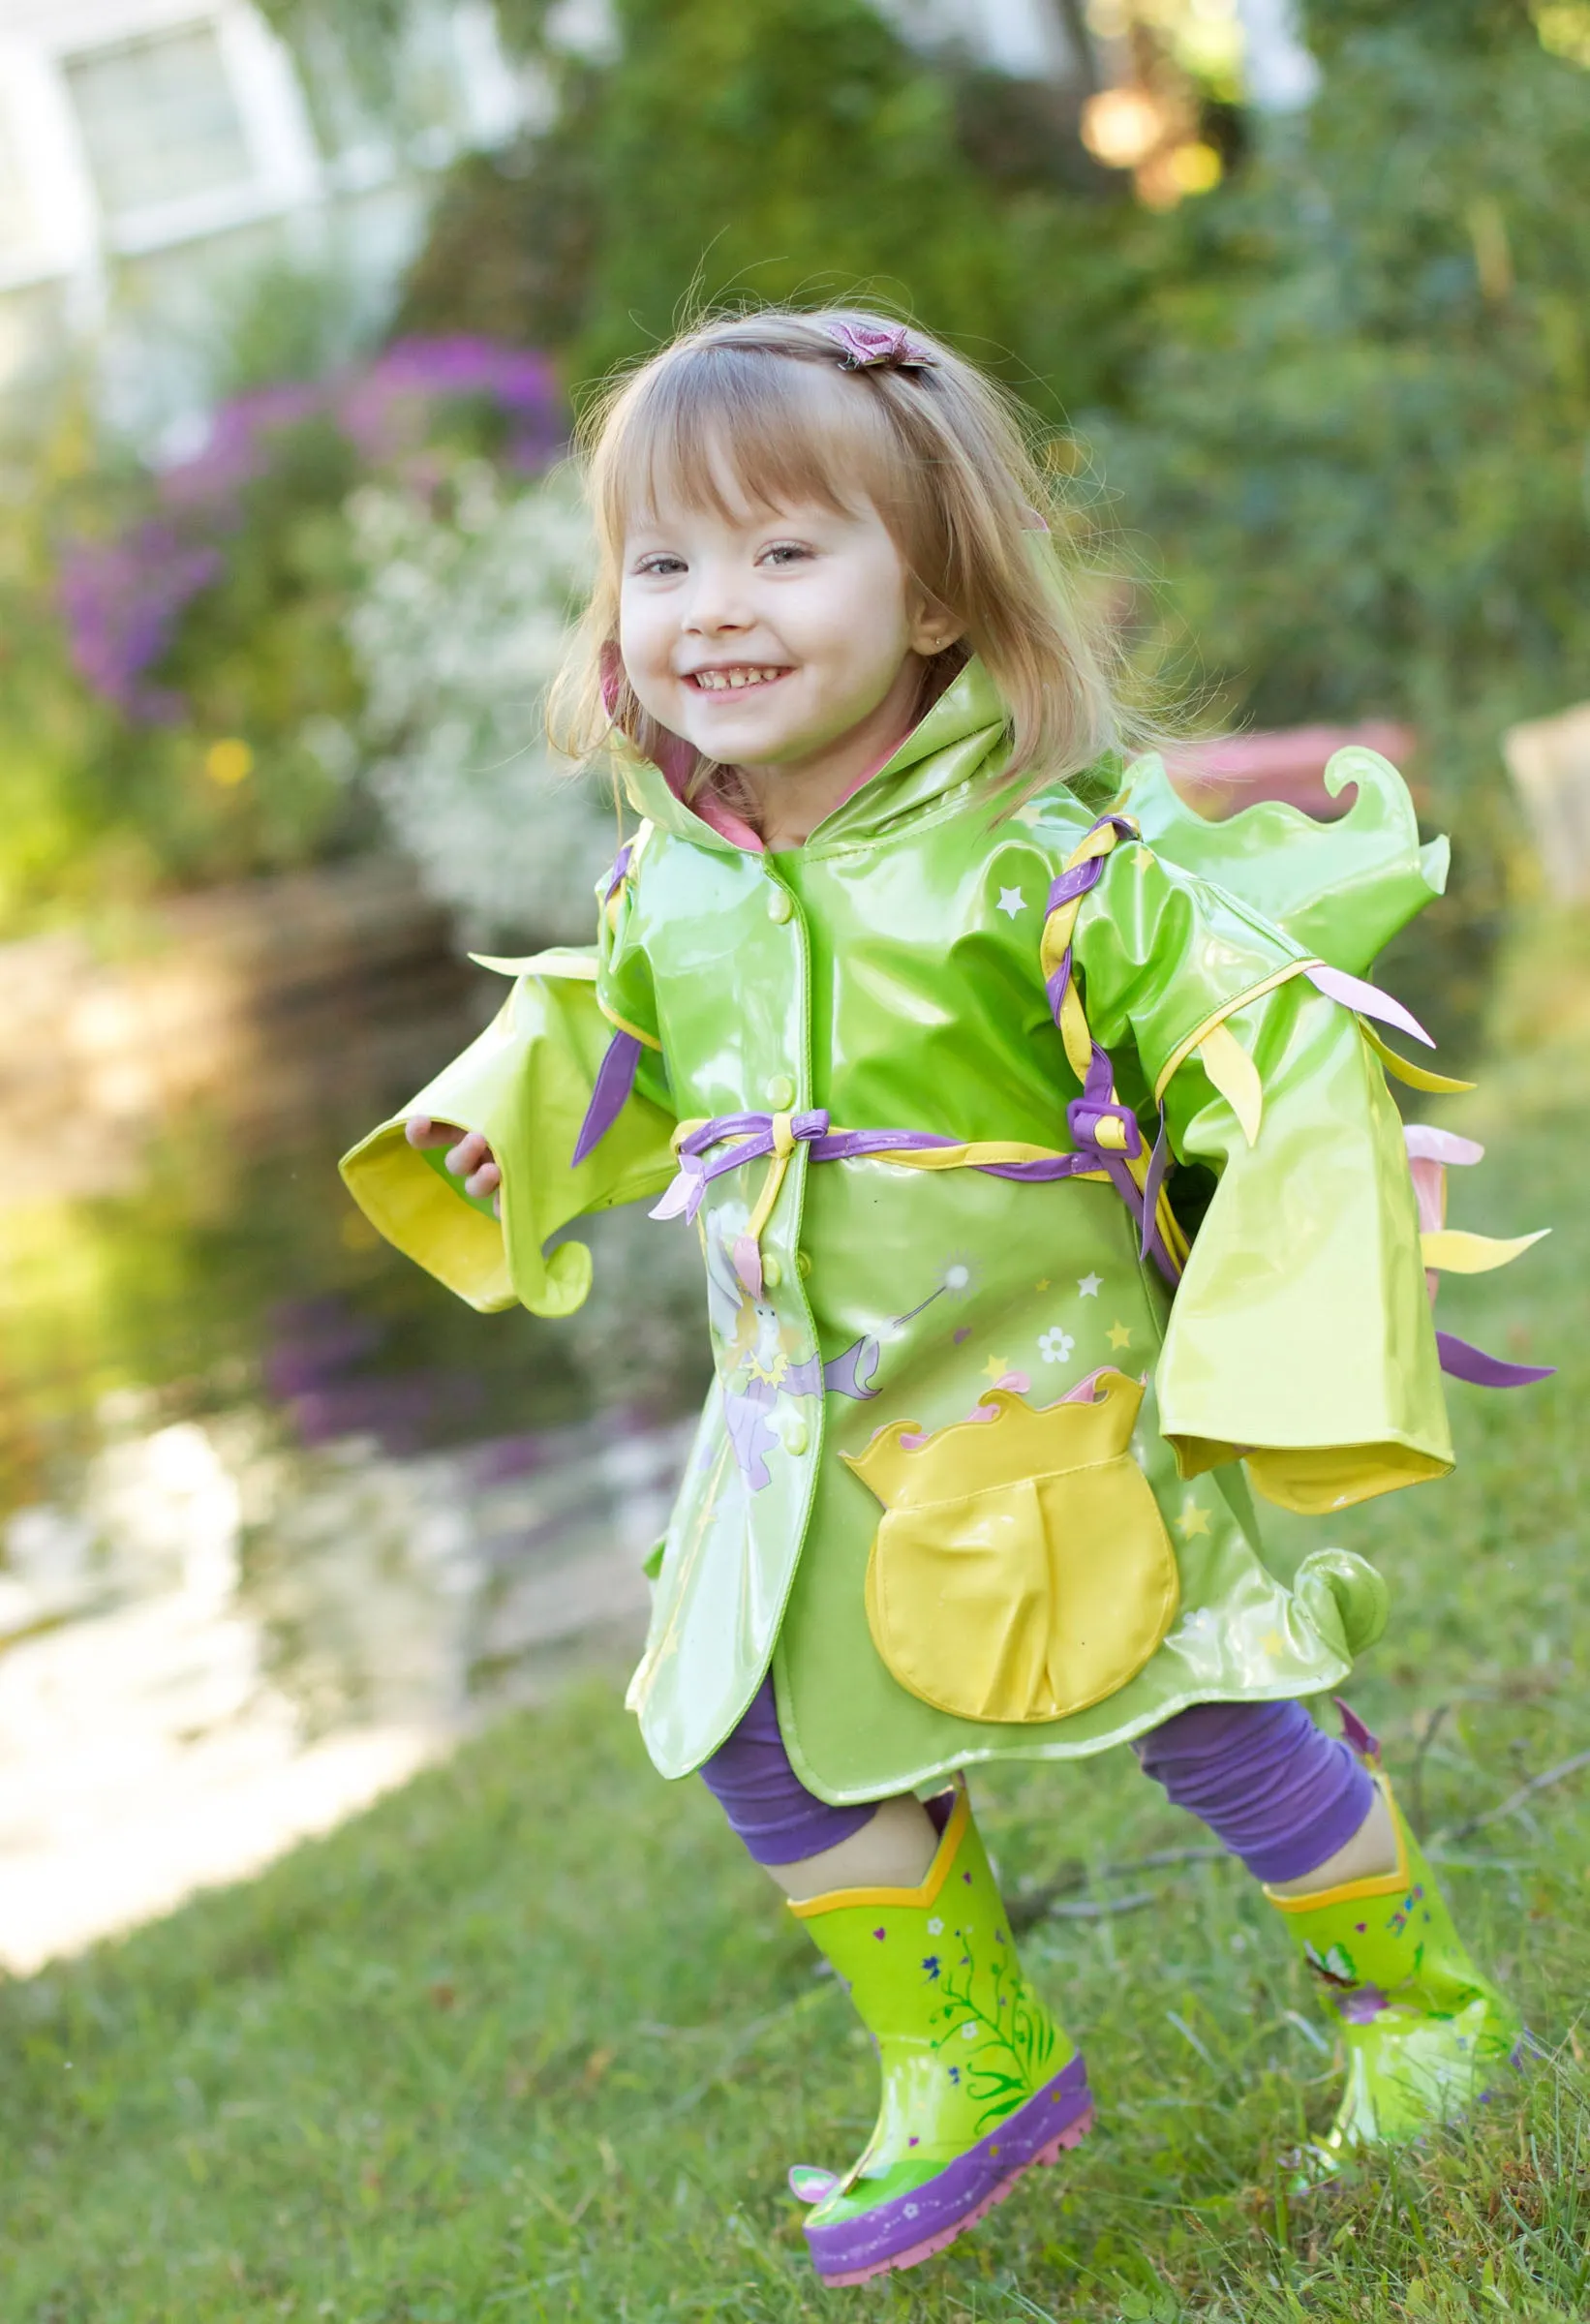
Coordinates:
<point>1300,1334</point>
<point>525,1085</point>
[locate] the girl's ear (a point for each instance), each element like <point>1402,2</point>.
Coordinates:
<point>933,627</point>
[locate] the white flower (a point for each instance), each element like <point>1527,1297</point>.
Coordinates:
<point>456,628</point>
<point>936,1928</point>
<point>1055,1347</point>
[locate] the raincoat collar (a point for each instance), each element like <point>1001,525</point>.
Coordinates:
<point>962,738</point>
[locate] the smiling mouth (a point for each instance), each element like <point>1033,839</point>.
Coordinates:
<point>733,680</point>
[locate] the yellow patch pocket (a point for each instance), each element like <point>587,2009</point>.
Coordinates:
<point>1022,1570</point>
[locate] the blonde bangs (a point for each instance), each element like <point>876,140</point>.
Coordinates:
<point>720,427</point>
<point>759,410</point>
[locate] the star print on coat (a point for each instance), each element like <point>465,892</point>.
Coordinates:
<point>1011,901</point>
<point>1192,1521</point>
<point>1119,1336</point>
<point>1090,1286</point>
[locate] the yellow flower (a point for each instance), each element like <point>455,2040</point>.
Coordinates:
<point>228,762</point>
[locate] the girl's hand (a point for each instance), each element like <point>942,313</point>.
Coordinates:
<point>471,1159</point>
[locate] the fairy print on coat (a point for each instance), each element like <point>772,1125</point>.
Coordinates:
<point>850,1052</point>
<point>759,1362</point>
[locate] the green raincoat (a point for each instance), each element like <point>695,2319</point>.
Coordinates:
<point>967,1478</point>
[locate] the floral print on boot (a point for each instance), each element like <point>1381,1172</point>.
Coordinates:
<point>1425,2032</point>
<point>979,2082</point>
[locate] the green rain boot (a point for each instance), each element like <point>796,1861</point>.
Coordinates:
<point>979,2083</point>
<point>1425,2032</point>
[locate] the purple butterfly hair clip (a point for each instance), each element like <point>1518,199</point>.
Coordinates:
<point>891,349</point>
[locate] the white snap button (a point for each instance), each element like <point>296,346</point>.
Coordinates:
<point>780,1092</point>
<point>773,1274</point>
<point>797,1437</point>
<point>778,905</point>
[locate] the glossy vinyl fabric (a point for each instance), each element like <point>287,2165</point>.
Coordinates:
<point>969,2057</point>
<point>1424,2031</point>
<point>986,1593</point>
<point>888,973</point>
<point>1341,890</point>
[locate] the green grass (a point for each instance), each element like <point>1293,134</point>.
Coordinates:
<point>532,2040</point>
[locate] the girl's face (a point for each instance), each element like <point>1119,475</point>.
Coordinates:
<point>789,640</point>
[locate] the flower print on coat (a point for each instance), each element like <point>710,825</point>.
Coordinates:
<point>1055,1347</point>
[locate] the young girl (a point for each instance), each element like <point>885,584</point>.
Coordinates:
<point>927,1019</point>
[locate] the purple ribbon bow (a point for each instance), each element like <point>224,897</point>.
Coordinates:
<point>753,1142</point>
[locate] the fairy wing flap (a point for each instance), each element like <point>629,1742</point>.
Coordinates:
<point>1340,889</point>
<point>1300,1334</point>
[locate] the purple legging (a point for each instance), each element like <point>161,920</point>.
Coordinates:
<point>1279,1793</point>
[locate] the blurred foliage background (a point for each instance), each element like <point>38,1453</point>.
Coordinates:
<point>1326,378</point>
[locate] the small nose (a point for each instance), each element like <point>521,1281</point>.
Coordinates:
<point>715,602</point>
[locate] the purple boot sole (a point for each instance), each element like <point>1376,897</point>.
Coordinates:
<point>910,2229</point>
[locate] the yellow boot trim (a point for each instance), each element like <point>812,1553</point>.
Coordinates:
<point>835,1900</point>
<point>1349,1892</point>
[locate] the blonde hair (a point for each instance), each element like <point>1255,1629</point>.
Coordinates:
<point>942,455</point>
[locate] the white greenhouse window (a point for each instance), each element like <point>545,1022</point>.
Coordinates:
<point>159,120</point>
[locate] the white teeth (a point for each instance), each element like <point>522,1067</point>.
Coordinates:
<point>715,681</point>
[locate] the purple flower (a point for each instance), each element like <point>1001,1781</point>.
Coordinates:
<point>931,1964</point>
<point>122,600</point>
<point>388,408</point>
<point>240,447</point>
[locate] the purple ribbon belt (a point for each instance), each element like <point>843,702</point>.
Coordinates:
<point>1108,1135</point>
<point>750,1138</point>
